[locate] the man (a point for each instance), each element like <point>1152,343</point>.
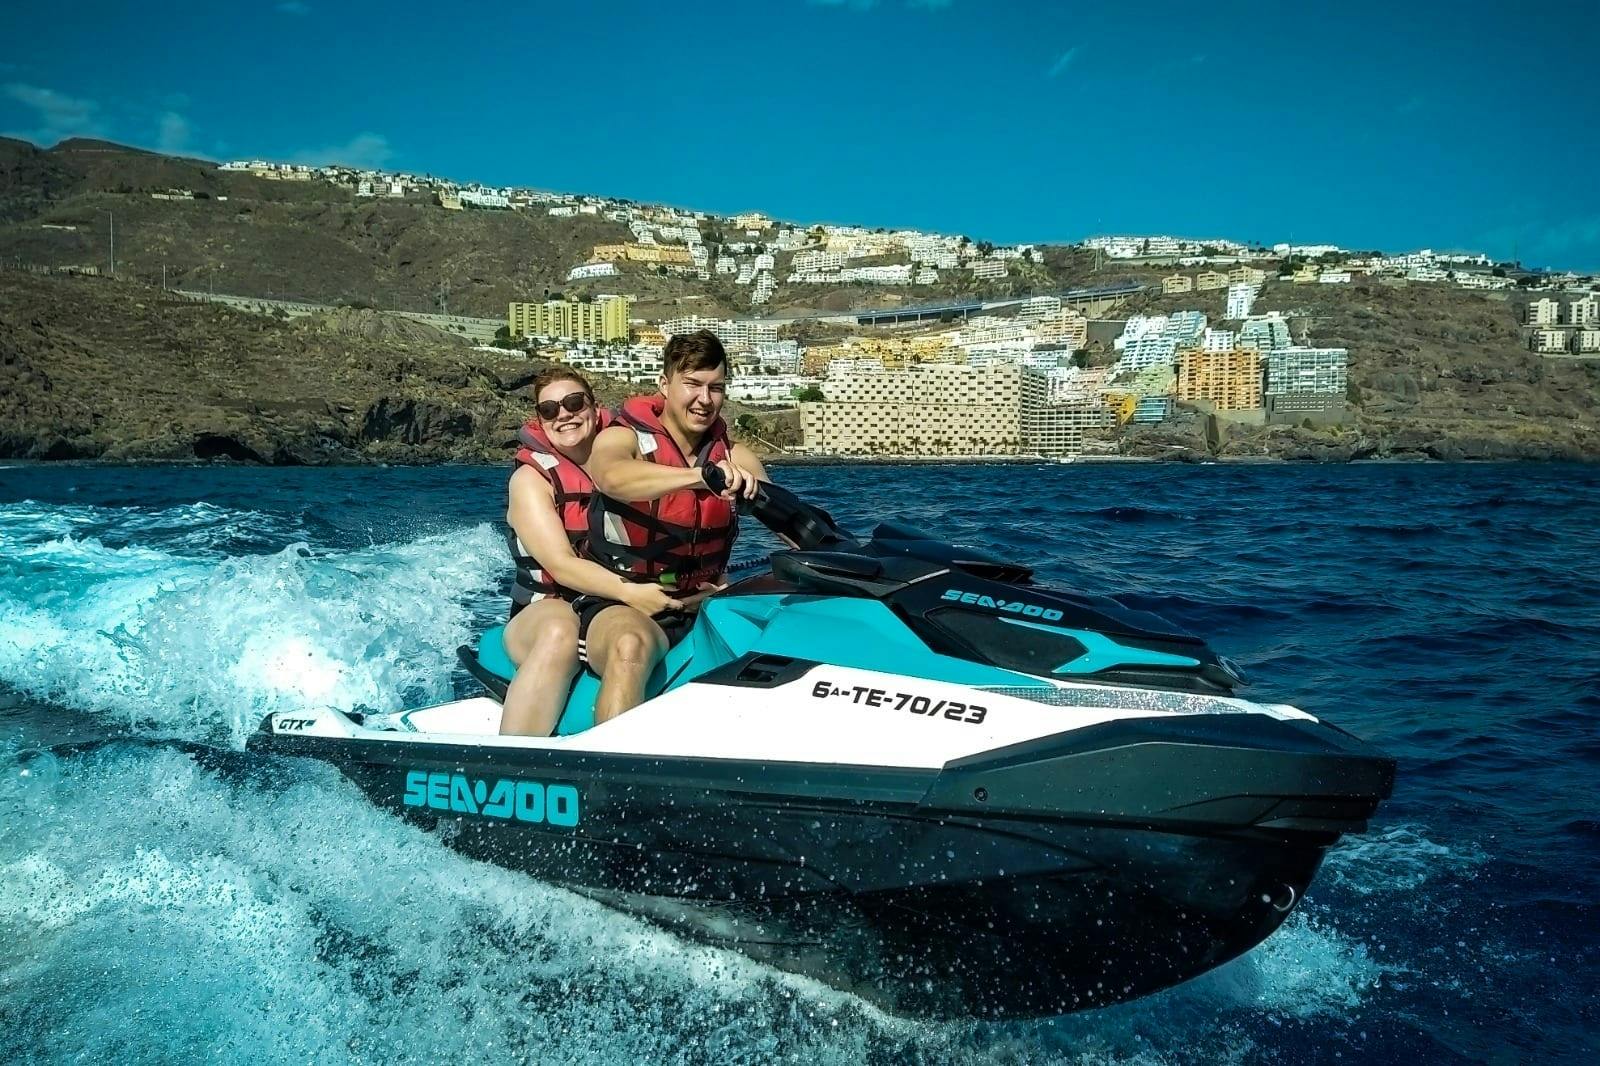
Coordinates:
<point>670,457</point>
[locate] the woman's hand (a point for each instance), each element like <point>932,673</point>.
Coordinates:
<point>649,600</point>
<point>699,595</point>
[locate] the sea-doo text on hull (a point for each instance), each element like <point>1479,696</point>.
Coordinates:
<point>902,768</point>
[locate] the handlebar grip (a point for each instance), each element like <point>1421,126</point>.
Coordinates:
<point>714,478</point>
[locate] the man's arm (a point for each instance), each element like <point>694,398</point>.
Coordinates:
<point>532,515</point>
<point>616,469</point>
<point>746,458</point>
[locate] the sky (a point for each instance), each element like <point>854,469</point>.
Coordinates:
<point>1395,125</point>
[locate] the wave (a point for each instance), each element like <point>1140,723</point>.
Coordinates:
<point>238,905</point>
<point>203,645</point>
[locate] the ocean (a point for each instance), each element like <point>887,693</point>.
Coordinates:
<point>165,896</point>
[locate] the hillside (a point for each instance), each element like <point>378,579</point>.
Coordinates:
<point>91,368</point>
<point>1435,372</point>
<point>320,243</point>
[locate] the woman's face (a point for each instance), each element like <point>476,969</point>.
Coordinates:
<point>568,429</point>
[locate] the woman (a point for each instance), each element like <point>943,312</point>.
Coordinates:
<point>549,519</point>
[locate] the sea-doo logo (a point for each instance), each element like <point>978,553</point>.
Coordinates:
<point>1027,610</point>
<point>521,801</point>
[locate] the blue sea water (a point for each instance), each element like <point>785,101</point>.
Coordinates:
<point>165,896</point>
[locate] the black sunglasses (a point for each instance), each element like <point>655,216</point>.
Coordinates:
<point>572,403</point>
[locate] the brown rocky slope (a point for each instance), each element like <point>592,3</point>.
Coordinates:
<point>94,369</point>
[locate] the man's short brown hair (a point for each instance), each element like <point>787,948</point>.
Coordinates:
<point>700,350</point>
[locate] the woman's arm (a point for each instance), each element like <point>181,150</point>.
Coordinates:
<point>533,516</point>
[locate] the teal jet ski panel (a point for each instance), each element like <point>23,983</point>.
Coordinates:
<point>862,634</point>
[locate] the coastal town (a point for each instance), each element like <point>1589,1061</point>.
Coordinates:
<point>954,347</point>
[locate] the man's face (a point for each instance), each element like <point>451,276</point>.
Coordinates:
<point>695,397</point>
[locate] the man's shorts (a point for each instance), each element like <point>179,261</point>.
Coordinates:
<point>675,624</point>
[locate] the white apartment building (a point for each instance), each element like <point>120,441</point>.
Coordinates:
<point>1296,370</point>
<point>747,274</point>
<point>485,198</point>
<point>1219,340</point>
<point>1037,307</point>
<point>1427,274</point>
<point>732,332</point>
<point>925,275</point>
<point>1584,311</point>
<point>1241,298</point>
<point>1334,277</point>
<point>764,287</point>
<point>764,261</point>
<point>592,270</point>
<point>777,357</point>
<point>816,260</point>
<point>561,212</point>
<point>990,329</point>
<point>1549,341</point>
<point>987,268</point>
<point>726,265</point>
<point>1264,333</point>
<point>894,274</point>
<point>1586,340</point>
<point>1544,312</point>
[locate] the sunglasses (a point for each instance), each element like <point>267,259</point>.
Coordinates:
<point>572,403</point>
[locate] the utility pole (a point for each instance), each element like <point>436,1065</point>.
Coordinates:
<point>112,216</point>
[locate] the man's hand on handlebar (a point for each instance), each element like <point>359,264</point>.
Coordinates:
<point>730,480</point>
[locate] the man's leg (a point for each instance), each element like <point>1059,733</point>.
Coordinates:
<point>623,646</point>
<point>543,641</point>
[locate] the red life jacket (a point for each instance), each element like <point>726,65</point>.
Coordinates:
<point>684,538</point>
<point>573,494</point>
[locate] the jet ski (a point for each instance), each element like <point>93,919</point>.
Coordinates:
<point>906,769</point>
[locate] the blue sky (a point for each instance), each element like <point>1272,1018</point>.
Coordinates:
<point>1385,125</point>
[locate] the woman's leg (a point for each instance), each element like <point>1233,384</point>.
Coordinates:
<point>543,641</point>
<point>623,646</point>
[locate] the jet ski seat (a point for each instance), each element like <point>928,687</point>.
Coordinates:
<point>491,667</point>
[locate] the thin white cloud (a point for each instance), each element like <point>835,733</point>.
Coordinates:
<point>172,135</point>
<point>362,150</point>
<point>1059,67</point>
<point>294,7</point>
<point>56,116</point>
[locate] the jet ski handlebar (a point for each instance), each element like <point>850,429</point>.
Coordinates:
<point>806,526</point>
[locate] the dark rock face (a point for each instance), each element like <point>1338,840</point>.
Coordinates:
<point>415,422</point>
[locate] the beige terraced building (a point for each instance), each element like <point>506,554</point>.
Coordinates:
<point>946,409</point>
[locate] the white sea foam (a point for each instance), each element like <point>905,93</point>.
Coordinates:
<point>157,909</point>
<point>200,646</point>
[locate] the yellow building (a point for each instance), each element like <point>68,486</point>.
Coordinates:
<point>1247,275</point>
<point>1207,280</point>
<point>1231,380</point>
<point>651,335</point>
<point>1307,273</point>
<point>1175,283</point>
<point>641,253</point>
<point>752,220</point>
<point>603,319</point>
